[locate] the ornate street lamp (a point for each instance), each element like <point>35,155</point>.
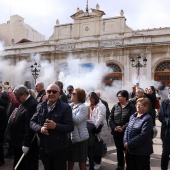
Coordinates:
<point>35,69</point>
<point>138,65</point>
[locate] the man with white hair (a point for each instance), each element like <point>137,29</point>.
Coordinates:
<point>41,96</point>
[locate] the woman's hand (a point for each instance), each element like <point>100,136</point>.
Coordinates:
<point>118,129</point>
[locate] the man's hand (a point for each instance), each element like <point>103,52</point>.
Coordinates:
<point>25,149</point>
<point>44,131</point>
<point>50,124</point>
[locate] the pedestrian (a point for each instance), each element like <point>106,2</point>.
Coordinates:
<point>118,122</point>
<point>79,137</point>
<point>62,96</point>
<point>52,122</point>
<point>98,116</point>
<point>70,89</point>
<point>41,94</point>
<point>22,136</point>
<point>137,136</point>
<point>164,118</point>
<point>106,105</point>
<point>3,122</point>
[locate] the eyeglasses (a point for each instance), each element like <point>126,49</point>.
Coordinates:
<point>73,93</point>
<point>139,105</point>
<point>52,91</point>
<point>119,96</point>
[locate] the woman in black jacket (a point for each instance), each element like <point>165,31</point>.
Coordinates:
<point>118,121</point>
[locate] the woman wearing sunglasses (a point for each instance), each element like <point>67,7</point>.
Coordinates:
<point>80,135</point>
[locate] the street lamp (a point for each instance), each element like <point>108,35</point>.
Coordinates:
<point>35,69</point>
<point>138,65</point>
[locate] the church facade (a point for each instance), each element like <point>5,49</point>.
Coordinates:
<point>93,39</point>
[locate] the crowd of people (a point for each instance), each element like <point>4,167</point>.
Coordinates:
<point>62,128</point>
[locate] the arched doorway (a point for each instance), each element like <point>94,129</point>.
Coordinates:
<point>115,75</point>
<point>162,73</point>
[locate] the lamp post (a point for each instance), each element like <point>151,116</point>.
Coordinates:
<point>138,65</point>
<point>35,69</point>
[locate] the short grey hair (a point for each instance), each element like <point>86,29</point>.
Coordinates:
<point>20,90</point>
<point>140,89</point>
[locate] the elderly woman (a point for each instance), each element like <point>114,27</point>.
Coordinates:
<point>80,135</point>
<point>137,137</point>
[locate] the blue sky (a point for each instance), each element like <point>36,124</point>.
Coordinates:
<point>42,14</point>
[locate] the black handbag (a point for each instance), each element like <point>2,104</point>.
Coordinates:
<point>100,148</point>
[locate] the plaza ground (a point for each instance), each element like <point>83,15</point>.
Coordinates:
<point>109,161</point>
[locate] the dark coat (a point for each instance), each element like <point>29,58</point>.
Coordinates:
<point>107,109</point>
<point>3,122</point>
<point>138,135</point>
<point>120,117</point>
<point>40,96</point>
<point>58,137</point>
<point>164,118</point>
<point>63,97</point>
<point>21,132</point>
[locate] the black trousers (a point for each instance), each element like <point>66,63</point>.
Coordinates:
<point>90,156</point>
<point>1,153</point>
<point>139,162</point>
<point>30,160</point>
<point>55,161</point>
<point>165,153</point>
<point>120,152</point>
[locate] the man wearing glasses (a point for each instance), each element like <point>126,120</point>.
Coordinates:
<point>53,121</point>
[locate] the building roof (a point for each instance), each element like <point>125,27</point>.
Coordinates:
<point>24,40</point>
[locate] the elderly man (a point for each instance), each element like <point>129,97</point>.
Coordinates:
<point>23,138</point>
<point>53,121</point>
<point>41,96</point>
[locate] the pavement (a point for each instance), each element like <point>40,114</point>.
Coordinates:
<point>109,162</point>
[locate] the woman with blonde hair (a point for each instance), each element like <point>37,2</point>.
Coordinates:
<point>79,137</point>
<point>137,137</point>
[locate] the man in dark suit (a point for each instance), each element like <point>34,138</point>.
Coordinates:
<point>3,121</point>
<point>62,96</point>
<point>23,138</point>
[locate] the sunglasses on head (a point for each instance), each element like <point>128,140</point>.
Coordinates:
<point>52,91</point>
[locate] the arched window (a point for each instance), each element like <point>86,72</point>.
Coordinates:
<point>162,73</point>
<point>165,66</point>
<point>114,67</point>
